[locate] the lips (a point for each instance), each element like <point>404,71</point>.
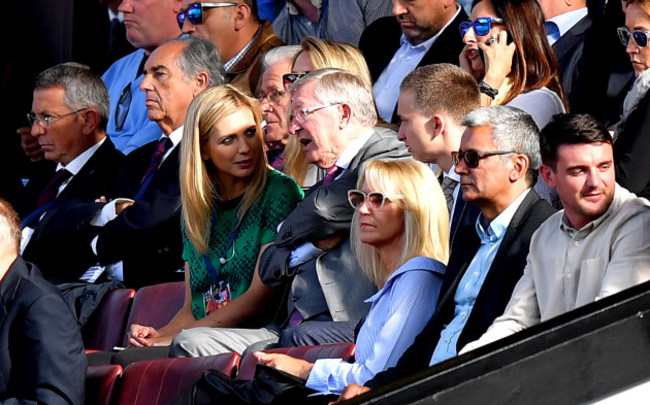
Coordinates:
<point>244,164</point>
<point>472,54</point>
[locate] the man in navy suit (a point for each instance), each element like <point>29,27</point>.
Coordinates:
<point>69,116</point>
<point>498,163</point>
<point>140,235</point>
<point>42,357</point>
<point>423,32</point>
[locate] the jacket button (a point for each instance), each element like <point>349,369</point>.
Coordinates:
<point>294,299</point>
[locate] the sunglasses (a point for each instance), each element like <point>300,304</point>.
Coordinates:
<point>472,157</point>
<point>194,12</point>
<point>375,199</point>
<point>290,78</point>
<point>481,25</point>
<point>640,36</point>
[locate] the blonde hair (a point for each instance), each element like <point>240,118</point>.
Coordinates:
<point>323,53</point>
<point>414,188</point>
<point>199,186</point>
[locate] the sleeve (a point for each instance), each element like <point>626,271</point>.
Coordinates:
<point>283,196</point>
<point>541,105</point>
<point>631,149</point>
<point>389,330</point>
<point>52,357</point>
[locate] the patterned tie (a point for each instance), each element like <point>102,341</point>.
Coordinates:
<point>52,188</point>
<point>448,185</point>
<point>163,146</point>
<point>331,174</point>
<point>552,31</point>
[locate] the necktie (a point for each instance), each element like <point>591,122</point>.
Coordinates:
<point>52,188</point>
<point>115,22</point>
<point>163,146</point>
<point>552,31</point>
<point>331,174</point>
<point>448,185</point>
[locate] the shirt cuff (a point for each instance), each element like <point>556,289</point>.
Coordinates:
<point>107,213</point>
<point>320,374</point>
<point>303,254</point>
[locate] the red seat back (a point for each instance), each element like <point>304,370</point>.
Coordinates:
<point>100,382</point>
<point>159,382</point>
<point>343,351</point>
<point>155,305</point>
<point>105,328</point>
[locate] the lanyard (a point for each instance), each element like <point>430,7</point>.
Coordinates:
<point>222,260</point>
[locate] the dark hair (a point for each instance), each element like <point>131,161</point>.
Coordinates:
<point>442,87</point>
<point>534,64</point>
<point>570,129</point>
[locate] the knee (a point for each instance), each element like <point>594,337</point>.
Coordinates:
<point>185,344</point>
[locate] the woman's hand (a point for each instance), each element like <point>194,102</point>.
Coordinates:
<point>140,336</point>
<point>351,391</point>
<point>297,367</point>
<point>498,59</point>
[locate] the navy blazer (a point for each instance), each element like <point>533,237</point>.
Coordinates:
<point>60,244</point>
<point>42,358</point>
<point>147,235</point>
<point>506,269</point>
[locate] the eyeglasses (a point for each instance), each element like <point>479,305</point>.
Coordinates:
<point>376,199</point>
<point>194,12</point>
<point>302,114</point>
<point>46,120</point>
<point>482,26</point>
<point>290,78</point>
<point>273,96</point>
<point>122,108</point>
<point>640,36</point>
<point>472,157</point>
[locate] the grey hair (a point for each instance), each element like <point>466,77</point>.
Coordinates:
<point>279,53</point>
<point>83,88</point>
<point>200,55</point>
<point>512,129</point>
<point>341,86</point>
<point>9,227</point>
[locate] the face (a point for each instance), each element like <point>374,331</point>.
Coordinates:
<point>303,63</point>
<point>584,179</point>
<point>637,19</point>
<point>63,139</point>
<point>415,130</point>
<point>275,114</point>
<point>486,184</point>
<point>216,26</point>
<point>234,147</point>
<point>482,9</point>
<point>380,227</point>
<point>319,134</point>
<point>150,22</point>
<point>168,92</point>
<point>420,19</point>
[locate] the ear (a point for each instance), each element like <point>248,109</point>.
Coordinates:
<point>435,126</point>
<point>548,174</point>
<point>91,121</point>
<point>520,166</point>
<point>345,115</point>
<point>242,16</point>
<point>201,82</point>
<point>178,6</point>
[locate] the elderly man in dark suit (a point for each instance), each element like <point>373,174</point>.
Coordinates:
<point>334,118</point>
<point>424,32</point>
<point>42,357</point>
<point>69,116</point>
<point>498,163</point>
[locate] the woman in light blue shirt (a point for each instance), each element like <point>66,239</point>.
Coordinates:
<point>400,238</point>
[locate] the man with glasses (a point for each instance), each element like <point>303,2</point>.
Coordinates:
<point>423,32</point>
<point>68,120</point>
<point>274,100</point>
<point>497,163</point>
<point>240,36</point>
<point>334,117</point>
<point>597,246</point>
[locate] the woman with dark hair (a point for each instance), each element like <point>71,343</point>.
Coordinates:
<point>507,51</point>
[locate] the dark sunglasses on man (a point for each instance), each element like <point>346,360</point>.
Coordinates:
<point>194,12</point>
<point>472,157</point>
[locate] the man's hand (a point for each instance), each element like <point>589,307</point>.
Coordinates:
<point>297,367</point>
<point>30,144</point>
<point>351,391</point>
<point>329,243</point>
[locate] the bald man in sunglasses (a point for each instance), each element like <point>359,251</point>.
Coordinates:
<point>497,163</point>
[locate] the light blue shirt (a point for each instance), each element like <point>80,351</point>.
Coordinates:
<point>405,60</point>
<point>566,21</point>
<point>138,130</point>
<point>470,284</point>
<point>398,313</point>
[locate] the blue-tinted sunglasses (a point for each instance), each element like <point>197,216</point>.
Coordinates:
<point>640,36</point>
<point>194,12</point>
<point>481,25</point>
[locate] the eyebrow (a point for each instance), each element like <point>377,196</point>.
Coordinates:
<point>157,68</point>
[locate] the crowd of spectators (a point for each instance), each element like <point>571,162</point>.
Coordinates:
<point>421,183</point>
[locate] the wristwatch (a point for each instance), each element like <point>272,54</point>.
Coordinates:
<point>487,89</point>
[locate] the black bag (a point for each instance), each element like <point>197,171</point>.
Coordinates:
<point>269,387</point>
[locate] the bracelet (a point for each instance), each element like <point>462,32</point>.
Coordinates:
<point>487,89</point>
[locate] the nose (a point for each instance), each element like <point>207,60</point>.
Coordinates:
<point>631,47</point>
<point>398,8</point>
<point>461,167</point>
<point>593,178</point>
<point>188,27</point>
<point>244,146</point>
<point>145,85</point>
<point>126,6</point>
<point>401,134</point>
<point>265,104</point>
<point>470,36</point>
<point>294,126</point>
<point>37,129</point>
<point>364,209</point>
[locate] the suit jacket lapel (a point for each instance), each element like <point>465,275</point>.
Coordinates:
<point>575,35</point>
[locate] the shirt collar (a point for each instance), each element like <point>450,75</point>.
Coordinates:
<point>176,135</point>
<point>500,224</point>
<point>240,55</point>
<point>404,40</point>
<point>452,174</point>
<point>352,150</point>
<point>566,226</point>
<point>78,163</point>
<point>566,21</point>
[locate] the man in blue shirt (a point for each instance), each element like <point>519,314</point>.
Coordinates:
<point>498,163</point>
